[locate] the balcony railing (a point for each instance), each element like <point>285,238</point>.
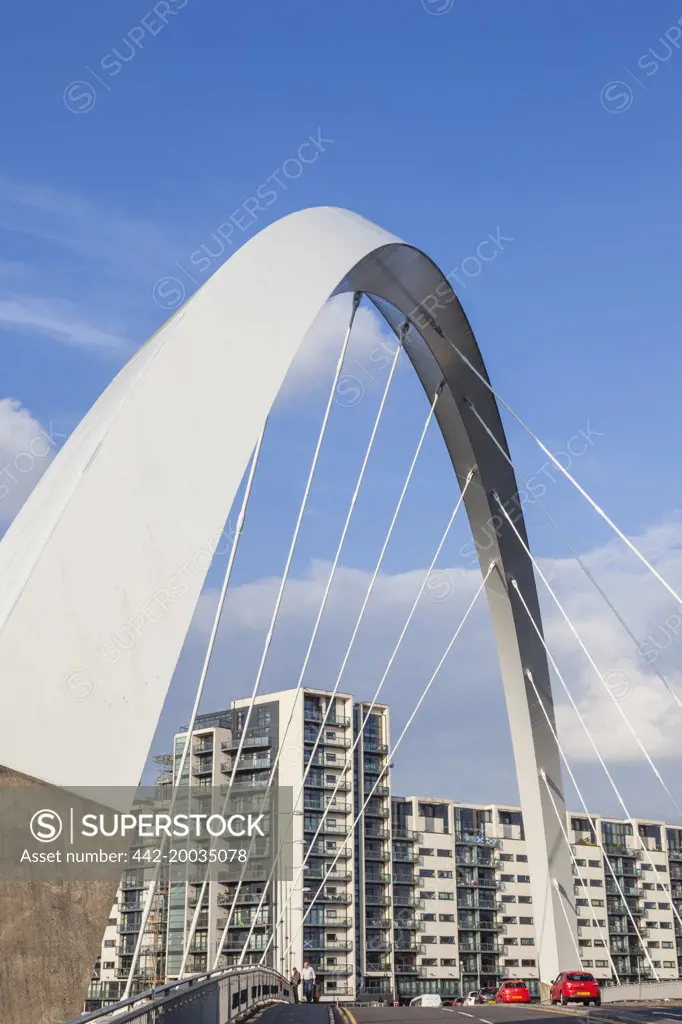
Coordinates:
<point>342,946</point>
<point>327,827</point>
<point>375,900</point>
<point>326,896</point>
<point>370,744</point>
<point>320,850</point>
<point>404,856</point>
<point>332,721</point>
<point>315,781</point>
<point>326,741</point>
<point>380,790</point>
<point>259,740</point>
<point>380,855</point>
<point>324,921</point>
<point>476,839</point>
<point>379,922</point>
<point>332,876</point>
<point>342,969</point>
<point>246,764</point>
<point>373,831</point>
<point>376,812</point>
<point>380,877</point>
<point>312,803</point>
<point>407,834</point>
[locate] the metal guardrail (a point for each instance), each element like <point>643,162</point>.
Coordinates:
<point>213,998</point>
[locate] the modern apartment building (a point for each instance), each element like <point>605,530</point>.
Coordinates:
<point>423,894</point>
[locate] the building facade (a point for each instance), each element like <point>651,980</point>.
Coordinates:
<point>388,897</point>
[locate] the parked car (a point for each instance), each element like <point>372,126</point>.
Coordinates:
<point>575,987</point>
<point>486,994</point>
<point>471,999</point>
<point>512,992</point>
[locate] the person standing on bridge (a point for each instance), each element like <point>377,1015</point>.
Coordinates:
<point>295,982</point>
<point>308,975</point>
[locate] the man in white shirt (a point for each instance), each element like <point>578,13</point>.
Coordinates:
<point>308,975</point>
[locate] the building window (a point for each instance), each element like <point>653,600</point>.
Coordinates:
<point>596,903</point>
<point>525,920</point>
<point>523,878</point>
<point>601,963</point>
<point>666,924</point>
<point>428,895</point>
<point>445,874</point>
<point>444,853</point>
<point>446,896</point>
<point>506,878</point>
<point>668,963</point>
<point>108,965</point>
<point>580,863</point>
<point>429,939</point>
<point>511,963</point>
<point>653,945</point>
<point>508,898</point>
<point>426,873</point>
<point>525,899</point>
<point>667,945</point>
<point>511,940</point>
<point>428,917</point>
<point>522,858</point>
<point>447,940</point>
<point>582,903</point>
<point>506,856</point>
<point>662,906</point>
<point>528,963</point>
<point>425,852</point>
<point>527,942</point>
<point>584,942</point>
<point>594,863</point>
<point>446,917</point>
<point>448,963</point>
<point>596,883</point>
<point>108,943</point>
<point>508,920</point>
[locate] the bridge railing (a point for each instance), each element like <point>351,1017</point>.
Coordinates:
<point>652,991</point>
<point>213,998</point>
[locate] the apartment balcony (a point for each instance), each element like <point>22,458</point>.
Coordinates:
<point>378,946</point>
<point>380,855</point>
<point>332,876</point>
<point>676,890</point>
<point>257,944</point>
<point>674,854</point>
<point>480,947</point>
<point>479,883</point>
<point>377,877</point>
<point>327,896</point>
<point>475,839</point>
<point>372,745</point>
<point>336,946</point>
<point>627,890</point>
<point>320,850</point>
<point>133,882</point>
<point>375,790</point>
<point>374,900</point>
<point>618,907</point>
<point>404,856</point>
<point>481,903</point>
<point>203,746</point>
<point>381,967</point>
<point>327,827</point>
<point>332,720</point>
<point>620,850</point>
<point>344,970</point>
<point>246,764</point>
<point>244,899</point>
<point>405,900</point>
<point>321,782</point>
<point>129,929</point>
<point>474,858</point>
<point>311,802</point>
<point>381,922</point>
<point>376,832</point>
<point>407,946</point>
<point>415,926</point>
<point>251,742</point>
<point>202,766</point>
<point>324,921</point>
<point>376,812</point>
<point>326,741</point>
<point>407,969</point>
<point>401,879</point>
<point>407,834</point>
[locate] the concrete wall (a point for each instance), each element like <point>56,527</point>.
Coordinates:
<point>642,993</point>
<point>50,937</point>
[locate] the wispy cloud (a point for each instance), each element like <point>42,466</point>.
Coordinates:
<point>61,320</point>
<point>133,247</point>
<point>26,450</point>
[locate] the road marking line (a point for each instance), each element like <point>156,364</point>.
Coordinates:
<point>485,1021</point>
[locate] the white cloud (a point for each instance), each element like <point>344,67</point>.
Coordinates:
<point>369,350</point>
<point>26,451</point>
<point>462,733</point>
<point>61,320</point>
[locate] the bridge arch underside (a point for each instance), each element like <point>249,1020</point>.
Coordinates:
<point>96,538</point>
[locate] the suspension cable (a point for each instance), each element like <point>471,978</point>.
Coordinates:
<point>280,593</point>
<point>587,732</point>
<point>330,579</point>
<point>600,511</point>
<point>555,884</point>
<point>585,651</point>
<point>349,757</point>
<point>562,826</point>
<point>572,550</point>
<point>595,831</point>
<point>395,748</point>
<point>195,709</point>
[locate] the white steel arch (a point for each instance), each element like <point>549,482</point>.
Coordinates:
<point>117,536</point>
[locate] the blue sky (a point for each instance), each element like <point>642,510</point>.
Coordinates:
<point>443,128</point>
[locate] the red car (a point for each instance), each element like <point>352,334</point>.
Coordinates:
<point>576,987</point>
<point>512,992</point>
